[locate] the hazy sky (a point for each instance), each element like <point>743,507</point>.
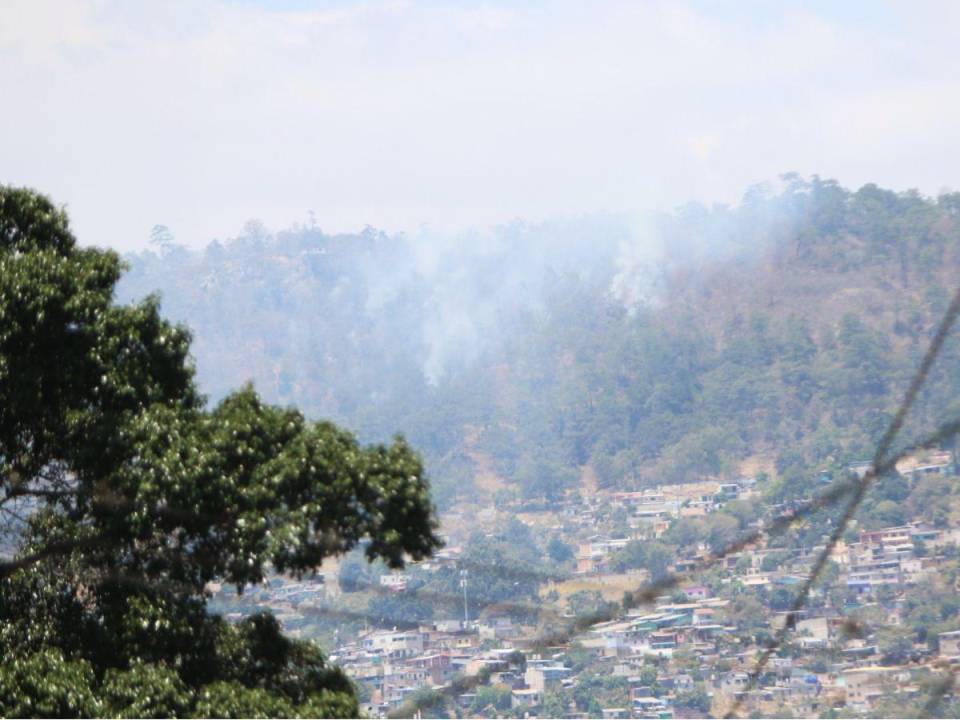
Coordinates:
<point>202,114</point>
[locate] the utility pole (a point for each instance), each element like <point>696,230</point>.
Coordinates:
<point>463,584</point>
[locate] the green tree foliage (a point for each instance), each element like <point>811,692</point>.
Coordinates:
<point>129,496</point>
<point>585,602</point>
<point>933,607</point>
<point>431,703</point>
<point>774,561</point>
<point>556,703</point>
<point>895,644</point>
<point>501,578</point>
<point>541,477</point>
<point>652,556</point>
<point>929,499</point>
<point>594,690</point>
<point>496,696</point>
<point>355,574</point>
<point>559,551</point>
<point>45,684</point>
<point>695,700</point>
<point>399,609</point>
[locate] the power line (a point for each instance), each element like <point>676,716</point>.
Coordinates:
<point>860,491</point>
<point>854,489</point>
<point>880,465</point>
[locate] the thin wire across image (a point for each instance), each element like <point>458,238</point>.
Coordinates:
<point>882,463</point>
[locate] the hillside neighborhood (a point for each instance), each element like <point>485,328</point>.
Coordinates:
<point>595,648</point>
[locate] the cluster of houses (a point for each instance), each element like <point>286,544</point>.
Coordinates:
<point>655,509</point>
<point>688,654</point>
<point>650,513</point>
<point>394,664</point>
<point>691,645</point>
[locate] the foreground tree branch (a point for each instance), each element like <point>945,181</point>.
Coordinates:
<point>139,495</point>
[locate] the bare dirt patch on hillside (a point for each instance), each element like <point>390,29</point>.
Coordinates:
<point>485,478</point>
<point>756,464</point>
<point>611,586</point>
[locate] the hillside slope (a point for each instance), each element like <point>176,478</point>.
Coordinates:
<point>777,333</point>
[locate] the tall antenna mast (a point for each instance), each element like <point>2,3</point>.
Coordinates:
<point>463,584</point>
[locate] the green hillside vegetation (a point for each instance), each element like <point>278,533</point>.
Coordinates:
<point>784,328</point>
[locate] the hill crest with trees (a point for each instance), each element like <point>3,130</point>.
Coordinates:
<point>775,334</point>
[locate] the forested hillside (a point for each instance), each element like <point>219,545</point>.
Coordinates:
<point>773,336</point>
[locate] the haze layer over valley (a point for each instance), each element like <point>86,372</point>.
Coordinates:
<point>522,359</point>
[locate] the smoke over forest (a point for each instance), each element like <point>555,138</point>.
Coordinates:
<point>579,343</point>
<point>376,358</point>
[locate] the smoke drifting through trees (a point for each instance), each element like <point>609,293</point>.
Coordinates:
<point>653,352</point>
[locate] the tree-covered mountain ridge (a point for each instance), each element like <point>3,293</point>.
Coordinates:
<point>778,334</point>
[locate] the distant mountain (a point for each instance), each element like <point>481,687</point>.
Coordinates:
<point>774,336</point>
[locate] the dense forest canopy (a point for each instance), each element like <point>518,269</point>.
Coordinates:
<point>776,334</point>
